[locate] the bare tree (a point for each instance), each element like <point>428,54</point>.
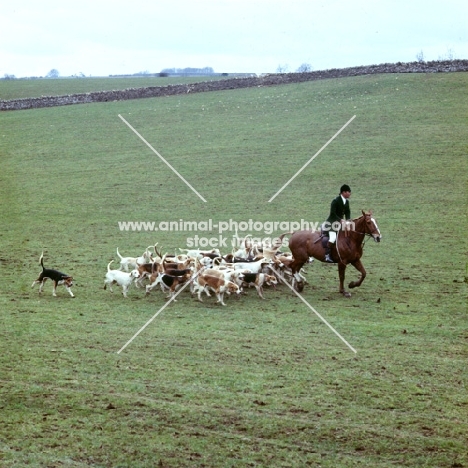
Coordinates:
<point>450,56</point>
<point>420,56</point>
<point>304,67</point>
<point>282,68</point>
<point>54,73</point>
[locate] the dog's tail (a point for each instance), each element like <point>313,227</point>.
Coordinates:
<point>41,260</point>
<point>119,254</point>
<point>108,269</point>
<point>155,250</point>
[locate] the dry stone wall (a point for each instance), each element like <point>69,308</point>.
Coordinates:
<point>233,83</point>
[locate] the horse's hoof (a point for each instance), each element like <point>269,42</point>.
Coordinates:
<point>346,293</point>
<point>299,286</point>
<point>352,285</point>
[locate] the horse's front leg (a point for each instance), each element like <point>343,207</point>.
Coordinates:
<point>360,267</point>
<point>341,272</point>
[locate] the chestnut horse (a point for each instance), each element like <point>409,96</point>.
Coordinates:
<point>348,249</point>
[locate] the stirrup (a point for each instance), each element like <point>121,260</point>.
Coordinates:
<point>328,259</point>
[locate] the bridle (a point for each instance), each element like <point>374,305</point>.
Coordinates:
<point>365,234</point>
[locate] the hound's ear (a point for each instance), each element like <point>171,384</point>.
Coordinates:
<point>363,212</point>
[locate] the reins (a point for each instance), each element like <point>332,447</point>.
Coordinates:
<point>363,233</point>
<point>337,249</point>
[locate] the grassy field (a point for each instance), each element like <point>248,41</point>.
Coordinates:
<point>17,89</point>
<point>255,383</point>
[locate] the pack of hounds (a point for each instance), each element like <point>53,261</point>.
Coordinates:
<point>202,271</point>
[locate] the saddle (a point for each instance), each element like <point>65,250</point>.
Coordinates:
<point>324,236</point>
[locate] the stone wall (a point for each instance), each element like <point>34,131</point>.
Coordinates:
<point>233,83</point>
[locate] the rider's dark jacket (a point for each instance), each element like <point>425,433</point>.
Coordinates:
<point>338,211</point>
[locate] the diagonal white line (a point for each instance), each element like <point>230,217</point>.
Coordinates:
<point>314,311</point>
<point>311,159</point>
<point>158,312</point>
<point>160,157</point>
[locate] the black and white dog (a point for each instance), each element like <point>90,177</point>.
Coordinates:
<point>57,278</point>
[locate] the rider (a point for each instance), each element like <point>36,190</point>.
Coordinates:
<point>339,212</point>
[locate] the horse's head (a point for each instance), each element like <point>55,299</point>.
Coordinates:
<point>370,226</point>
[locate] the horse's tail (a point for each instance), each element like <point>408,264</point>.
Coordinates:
<point>279,240</point>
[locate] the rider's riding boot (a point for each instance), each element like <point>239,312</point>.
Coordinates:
<point>328,258</point>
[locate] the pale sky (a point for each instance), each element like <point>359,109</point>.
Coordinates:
<point>103,37</point>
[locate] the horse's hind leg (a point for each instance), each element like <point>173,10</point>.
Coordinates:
<point>341,272</point>
<point>297,282</point>
<point>360,267</point>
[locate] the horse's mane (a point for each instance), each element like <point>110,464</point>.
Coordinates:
<point>364,214</point>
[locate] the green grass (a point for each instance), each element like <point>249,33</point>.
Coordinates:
<point>24,88</point>
<point>256,383</point>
